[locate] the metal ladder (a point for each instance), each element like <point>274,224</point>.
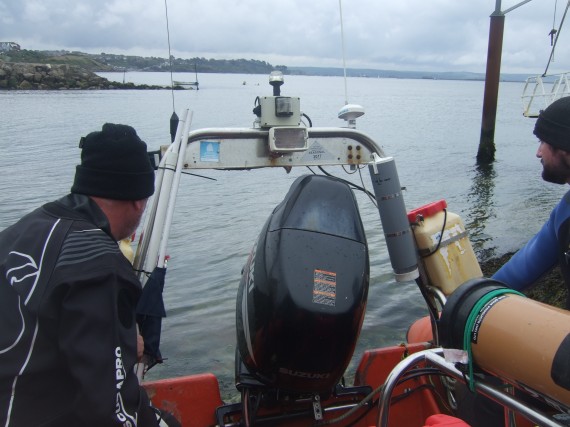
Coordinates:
<point>540,91</point>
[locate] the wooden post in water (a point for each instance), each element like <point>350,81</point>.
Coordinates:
<point>486,153</point>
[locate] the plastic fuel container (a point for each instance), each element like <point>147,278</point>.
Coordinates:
<point>443,246</point>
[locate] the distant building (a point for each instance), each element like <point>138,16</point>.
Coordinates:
<point>9,46</point>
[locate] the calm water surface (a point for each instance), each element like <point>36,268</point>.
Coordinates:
<point>430,127</point>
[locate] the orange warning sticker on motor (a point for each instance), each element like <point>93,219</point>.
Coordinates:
<point>324,287</point>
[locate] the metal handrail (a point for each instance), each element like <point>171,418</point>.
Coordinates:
<point>560,87</point>
<point>434,357</point>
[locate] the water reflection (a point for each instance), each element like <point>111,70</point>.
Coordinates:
<point>481,204</point>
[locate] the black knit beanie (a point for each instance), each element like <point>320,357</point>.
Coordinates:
<point>114,165</point>
<point>553,124</point>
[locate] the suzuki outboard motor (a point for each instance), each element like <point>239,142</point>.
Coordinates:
<point>302,295</point>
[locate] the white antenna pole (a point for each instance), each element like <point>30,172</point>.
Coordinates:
<point>350,111</point>
<point>343,56</point>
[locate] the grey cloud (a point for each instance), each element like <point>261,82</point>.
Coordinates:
<point>427,35</point>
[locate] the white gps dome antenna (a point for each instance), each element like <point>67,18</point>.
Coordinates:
<point>350,112</point>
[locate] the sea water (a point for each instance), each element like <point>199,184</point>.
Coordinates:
<point>430,127</point>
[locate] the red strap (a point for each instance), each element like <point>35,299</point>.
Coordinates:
<point>445,420</point>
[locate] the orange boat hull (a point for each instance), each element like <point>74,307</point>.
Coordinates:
<point>194,399</point>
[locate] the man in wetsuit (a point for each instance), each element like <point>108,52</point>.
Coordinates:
<point>68,336</point>
<point>551,245</point>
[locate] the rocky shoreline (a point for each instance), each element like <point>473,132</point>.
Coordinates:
<point>550,289</point>
<point>25,76</point>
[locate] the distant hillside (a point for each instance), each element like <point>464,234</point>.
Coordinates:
<point>111,62</point>
<point>56,58</point>
<point>201,65</point>
<point>430,75</point>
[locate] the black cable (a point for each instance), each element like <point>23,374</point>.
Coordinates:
<point>556,40</point>
<point>169,55</point>
<point>308,118</point>
<point>348,172</point>
<point>411,375</point>
<point>350,184</point>
<point>187,173</point>
<point>440,236</point>
<point>199,176</point>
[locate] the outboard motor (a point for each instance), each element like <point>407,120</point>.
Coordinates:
<point>302,295</point>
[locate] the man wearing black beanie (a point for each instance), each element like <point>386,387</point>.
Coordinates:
<point>551,245</point>
<point>68,337</point>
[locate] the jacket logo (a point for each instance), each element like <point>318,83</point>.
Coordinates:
<point>125,418</point>
<point>23,274</point>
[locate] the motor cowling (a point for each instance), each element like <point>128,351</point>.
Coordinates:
<point>302,296</point>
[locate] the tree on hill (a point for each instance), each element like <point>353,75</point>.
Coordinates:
<point>113,62</point>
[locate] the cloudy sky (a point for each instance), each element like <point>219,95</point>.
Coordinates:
<point>423,35</point>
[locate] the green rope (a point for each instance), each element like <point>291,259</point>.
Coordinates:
<point>473,315</point>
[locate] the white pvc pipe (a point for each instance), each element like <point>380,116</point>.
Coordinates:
<point>169,165</point>
<point>158,220</point>
<point>142,247</point>
<point>174,191</point>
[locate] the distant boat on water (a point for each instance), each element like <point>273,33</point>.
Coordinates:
<point>188,85</point>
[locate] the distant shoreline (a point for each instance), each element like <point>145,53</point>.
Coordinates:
<point>30,76</point>
<point>119,63</point>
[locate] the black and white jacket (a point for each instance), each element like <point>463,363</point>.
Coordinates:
<point>67,322</point>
